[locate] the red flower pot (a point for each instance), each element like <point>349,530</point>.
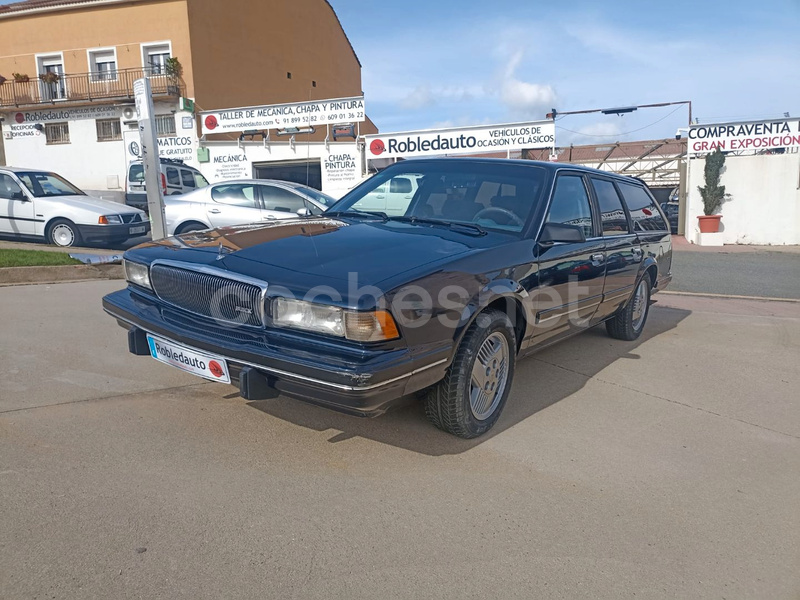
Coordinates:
<point>709,223</point>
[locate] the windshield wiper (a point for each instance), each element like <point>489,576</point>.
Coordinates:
<point>357,214</point>
<point>472,228</point>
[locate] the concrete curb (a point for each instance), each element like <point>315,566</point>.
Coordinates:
<point>734,296</point>
<point>58,274</point>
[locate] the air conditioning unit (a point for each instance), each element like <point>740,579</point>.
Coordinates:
<point>129,113</point>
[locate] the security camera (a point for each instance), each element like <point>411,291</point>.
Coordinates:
<point>678,134</point>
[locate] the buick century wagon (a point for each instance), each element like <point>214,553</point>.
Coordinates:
<point>353,309</point>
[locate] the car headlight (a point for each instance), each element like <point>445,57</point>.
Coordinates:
<point>110,220</point>
<point>137,273</point>
<point>332,320</point>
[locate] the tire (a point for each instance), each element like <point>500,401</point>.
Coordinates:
<point>63,233</point>
<point>459,404</point>
<point>628,323</point>
<point>191,226</point>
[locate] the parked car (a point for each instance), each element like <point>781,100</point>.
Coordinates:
<point>42,204</point>
<point>671,210</point>
<point>491,260</point>
<point>391,197</point>
<point>241,201</point>
<point>176,178</point>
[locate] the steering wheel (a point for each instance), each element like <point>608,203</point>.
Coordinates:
<point>514,218</point>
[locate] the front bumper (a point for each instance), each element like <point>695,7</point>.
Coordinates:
<point>108,233</point>
<point>365,382</point>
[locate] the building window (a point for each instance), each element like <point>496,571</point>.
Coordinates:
<point>108,130</point>
<point>165,125</point>
<point>56,133</point>
<point>154,58</point>
<point>103,64</point>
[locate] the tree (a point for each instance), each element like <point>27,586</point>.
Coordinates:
<point>713,193</point>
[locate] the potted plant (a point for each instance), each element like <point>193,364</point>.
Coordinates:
<point>174,67</point>
<point>713,193</point>
<point>49,77</point>
<point>21,78</point>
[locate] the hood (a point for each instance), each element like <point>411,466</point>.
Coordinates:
<point>98,205</point>
<point>326,248</point>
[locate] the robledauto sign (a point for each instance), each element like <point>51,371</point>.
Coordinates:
<point>735,137</point>
<point>461,140</point>
<point>279,116</point>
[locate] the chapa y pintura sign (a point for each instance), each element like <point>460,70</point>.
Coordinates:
<point>752,135</point>
<point>462,140</point>
<point>278,116</point>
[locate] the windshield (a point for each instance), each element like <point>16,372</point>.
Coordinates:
<point>323,199</point>
<point>497,196</point>
<point>42,184</point>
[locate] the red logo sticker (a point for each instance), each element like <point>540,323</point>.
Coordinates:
<point>215,368</point>
<point>19,118</point>
<point>211,122</point>
<point>377,147</point>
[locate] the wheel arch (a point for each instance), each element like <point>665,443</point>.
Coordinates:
<point>506,296</point>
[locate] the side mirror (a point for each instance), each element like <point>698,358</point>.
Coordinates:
<point>303,212</point>
<point>20,195</point>
<point>553,233</point>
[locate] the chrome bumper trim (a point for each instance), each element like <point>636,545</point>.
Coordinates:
<point>279,372</point>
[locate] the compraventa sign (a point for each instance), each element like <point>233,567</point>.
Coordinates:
<point>736,137</point>
<point>462,140</point>
<point>280,116</point>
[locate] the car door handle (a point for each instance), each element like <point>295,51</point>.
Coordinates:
<point>268,218</point>
<point>637,253</point>
<point>598,259</point>
<point>214,211</point>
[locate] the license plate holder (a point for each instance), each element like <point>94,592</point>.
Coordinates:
<point>186,359</point>
<point>137,229</point>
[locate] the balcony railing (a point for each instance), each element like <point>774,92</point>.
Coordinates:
<point>87,87</point>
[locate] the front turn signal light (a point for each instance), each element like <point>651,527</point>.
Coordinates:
<point>370,326</point>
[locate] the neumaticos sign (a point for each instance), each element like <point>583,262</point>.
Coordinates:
<point>462,140</point>
<point>734,137</point>
<point>279,116</point>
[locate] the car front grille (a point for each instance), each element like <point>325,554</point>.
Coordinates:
<point>220,298</point>
<point>132,218</point>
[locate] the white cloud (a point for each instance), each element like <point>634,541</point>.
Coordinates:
<point>524,99</point>
<point>420,97</point>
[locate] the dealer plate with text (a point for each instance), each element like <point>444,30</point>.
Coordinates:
<point>139,229</point>
<point>191,361</point>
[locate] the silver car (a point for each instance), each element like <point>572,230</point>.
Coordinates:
<point>241,201</point>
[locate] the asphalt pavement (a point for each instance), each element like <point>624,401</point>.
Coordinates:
<point>764,274</point>
<point>663,468</point>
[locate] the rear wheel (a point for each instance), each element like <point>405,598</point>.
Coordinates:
<point>191,226</point>
<point>469,400</point>
<point>64,233</point>
<point>629,322</point>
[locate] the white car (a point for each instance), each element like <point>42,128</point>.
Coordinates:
<point>391,198</point>
<point>241,201</point>
<point>42,204</point>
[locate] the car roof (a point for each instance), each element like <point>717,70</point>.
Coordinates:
<point>549,166</point>
<point>23,170</point>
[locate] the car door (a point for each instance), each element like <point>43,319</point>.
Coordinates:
<point>174,185</point>
<point>622,248</point>
<point>571,275</point>
<point>279,202</point>
<point>233,204</point>
<point>401,191</point>
<point>652,231</point>
<point>374,200</point>
<point>187,179</point>
<point>17,213</point>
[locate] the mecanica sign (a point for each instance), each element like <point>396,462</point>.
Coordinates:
<point>461,140</point>
<point>752,135</point>
<point>279,116</point>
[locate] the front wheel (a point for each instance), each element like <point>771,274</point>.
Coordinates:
<point>64,233</point>
<point>629,322</point>
<point>469,400</point>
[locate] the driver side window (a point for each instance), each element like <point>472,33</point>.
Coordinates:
<point>8,187</point>
<point>570,205</point>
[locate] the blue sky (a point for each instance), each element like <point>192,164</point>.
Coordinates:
<point>459,62</point>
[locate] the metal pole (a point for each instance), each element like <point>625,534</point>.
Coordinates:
<point>150,158</point>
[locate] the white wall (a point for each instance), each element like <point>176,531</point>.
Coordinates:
<point>764,205</point>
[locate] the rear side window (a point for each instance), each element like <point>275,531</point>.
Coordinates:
<point>235,194</point>
<point>644,213</point>
<point>173,177</point>
<point>570,205</point>
<point>612,215</point>
<point>188,178</point>
<point>281,200</point>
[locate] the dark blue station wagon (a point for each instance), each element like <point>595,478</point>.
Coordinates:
<point>480,263</point>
